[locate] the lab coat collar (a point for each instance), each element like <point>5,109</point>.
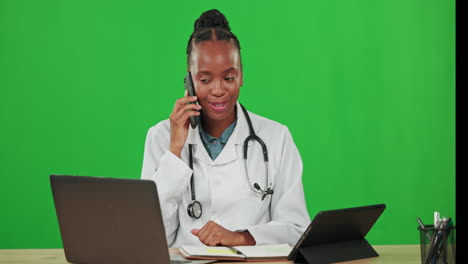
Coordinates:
<point>228,154</point>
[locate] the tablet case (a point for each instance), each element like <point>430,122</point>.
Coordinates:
<point>337,235</point>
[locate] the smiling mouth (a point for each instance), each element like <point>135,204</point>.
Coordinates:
<point>218,107</point>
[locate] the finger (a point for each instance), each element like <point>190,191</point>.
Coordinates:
<point>182,101</point>
<point>195,231</point>
<point>215,239</point>
<point>206,231</point>
<point>210,239</point>
<point>184,112</point>
<point>182,120</point>
<point>211,234</point>
<point>189,106</point>
<point>203,233</point>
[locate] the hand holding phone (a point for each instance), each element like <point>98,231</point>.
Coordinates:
<point>184,109</point>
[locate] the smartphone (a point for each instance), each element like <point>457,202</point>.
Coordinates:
<point>188,83</point>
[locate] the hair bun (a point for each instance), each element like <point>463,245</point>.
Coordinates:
<point>211,18</point>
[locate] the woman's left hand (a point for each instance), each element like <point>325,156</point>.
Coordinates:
<point>213,234</point>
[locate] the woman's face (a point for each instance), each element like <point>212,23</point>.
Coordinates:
<point>217,76</point>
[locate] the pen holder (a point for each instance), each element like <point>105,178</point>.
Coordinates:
<point>442,252</point>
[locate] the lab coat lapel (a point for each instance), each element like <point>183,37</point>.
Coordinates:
<point>230,151</point>
<point>200,152</point>
<point>227,155</point>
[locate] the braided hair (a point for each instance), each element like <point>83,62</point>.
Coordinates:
<point>211,25</point>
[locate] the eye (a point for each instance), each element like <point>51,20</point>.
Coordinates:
<point>230,78</point>
<point>204,80</point>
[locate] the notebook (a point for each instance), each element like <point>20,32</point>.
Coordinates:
<point>278,252</point>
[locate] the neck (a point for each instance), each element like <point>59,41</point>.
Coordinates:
<point>216,127</point>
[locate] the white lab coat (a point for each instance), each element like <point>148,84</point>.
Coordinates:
<point>222,187</point>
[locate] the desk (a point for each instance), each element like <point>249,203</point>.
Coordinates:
<point>389,254</point>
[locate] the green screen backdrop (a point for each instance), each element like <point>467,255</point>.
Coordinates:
<point>366,87</point>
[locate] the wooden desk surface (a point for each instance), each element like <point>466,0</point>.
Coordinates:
<point>389,254</point>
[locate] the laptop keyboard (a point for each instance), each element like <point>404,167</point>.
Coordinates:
<point>173,261</point>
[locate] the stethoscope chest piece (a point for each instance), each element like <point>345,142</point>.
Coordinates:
<point>194,209</point>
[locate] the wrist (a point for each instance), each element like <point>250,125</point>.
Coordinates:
<point>175,150</point>
<point>246,239</point>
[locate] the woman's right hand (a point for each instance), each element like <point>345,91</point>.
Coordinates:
<point>179,119</point>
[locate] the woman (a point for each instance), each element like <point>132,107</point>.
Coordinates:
<point>242,203</point>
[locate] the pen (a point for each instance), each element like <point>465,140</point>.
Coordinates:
<point>235,250</point>
<point>423,228</point>
<point>444,235</point>
<point>430,238</point>
<point>420,223</point>
<point>436,241</point>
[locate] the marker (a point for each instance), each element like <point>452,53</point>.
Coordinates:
<point>436,218</point>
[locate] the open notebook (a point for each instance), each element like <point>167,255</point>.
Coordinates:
<point>240,253</point>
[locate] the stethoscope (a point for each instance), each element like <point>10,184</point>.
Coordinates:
<point>194,209</point>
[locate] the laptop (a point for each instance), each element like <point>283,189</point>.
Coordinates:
<point>110,220</point>
<point>338,235</point>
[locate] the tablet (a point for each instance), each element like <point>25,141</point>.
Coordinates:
<point>335,226</point>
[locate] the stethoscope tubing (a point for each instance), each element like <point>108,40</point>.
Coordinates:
<point>255,187</point>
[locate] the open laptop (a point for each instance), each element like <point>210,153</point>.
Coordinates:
<point>110,220</point>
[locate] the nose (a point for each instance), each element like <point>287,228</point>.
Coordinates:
<point>218,89</point>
